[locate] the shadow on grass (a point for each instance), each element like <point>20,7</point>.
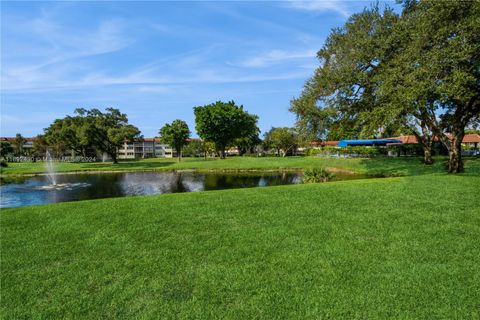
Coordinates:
<point>472,166</point>
<point>394,167</point>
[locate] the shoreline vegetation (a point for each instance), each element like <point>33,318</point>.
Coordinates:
<point>397,166</point>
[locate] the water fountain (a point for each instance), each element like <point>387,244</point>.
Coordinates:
<point>49,165</point>
<point>52,177</point>
<point>104,157</point>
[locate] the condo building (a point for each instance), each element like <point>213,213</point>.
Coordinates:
<point>145,148</point>
<point>138,149</point>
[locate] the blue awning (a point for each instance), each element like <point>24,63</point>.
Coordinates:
<point>367,142</point>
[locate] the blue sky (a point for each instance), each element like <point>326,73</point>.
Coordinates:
<point>156,60</point>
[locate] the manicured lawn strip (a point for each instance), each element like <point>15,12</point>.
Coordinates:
<point>372,249</point>
<point>232,163</point>
<point>404,166</point>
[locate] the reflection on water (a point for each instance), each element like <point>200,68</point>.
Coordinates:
<point>37,190</point>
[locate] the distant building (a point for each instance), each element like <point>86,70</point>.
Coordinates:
<point>27,146</point>
<point>471,141</point>
<point>328,143</point>
<point>367,142</point>
<point>408,139</point>
<point>139,149</point>
<point>145,148</point>
<point>406,145</point>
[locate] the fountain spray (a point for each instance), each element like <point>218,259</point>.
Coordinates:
<point>49,165</point>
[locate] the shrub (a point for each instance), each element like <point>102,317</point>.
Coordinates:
<point>315,175</point>
<point>329,150</point>
<point>363,151</point>
<point>312,151</point>
<point>3,164</point>
<point>353,151</point>
<point>406,149</point>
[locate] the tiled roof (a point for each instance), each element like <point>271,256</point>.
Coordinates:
<point>410,139</point>
<point>13,139</point>
<point>471,138</point>
<point>324,143</point>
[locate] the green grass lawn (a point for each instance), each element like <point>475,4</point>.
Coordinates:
<point>404,166</point>
<point>399,248</point>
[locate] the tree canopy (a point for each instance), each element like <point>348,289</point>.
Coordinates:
<point>105,131</point>
<point>5,148</point>
<point>224,122</point>
<point>381,70</point>
<point>283,140</point>
<point>69,133</point>
<point>17,145</point>
<point>40,146</point>
<point>176,135</point>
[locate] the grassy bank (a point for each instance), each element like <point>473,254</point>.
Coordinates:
<point>383,248</point>
<point>404,166</point>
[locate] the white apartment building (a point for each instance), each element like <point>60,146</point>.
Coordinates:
<point>146,148</point>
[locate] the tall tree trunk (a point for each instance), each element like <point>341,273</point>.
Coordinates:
<point>427,154</point>
<point>113,155</point>
<point>462,117</point>
<point>222,153</point>
<point>426,141</point>
<point>179,154</point>
<point>455,161</point>
<point>458,121</point>
<point>453,144</point>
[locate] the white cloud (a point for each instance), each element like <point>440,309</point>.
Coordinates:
<point>276,56</point>
<point>48,50</point>
<point>152,83</point>
<point>53,42</point>
<point>58,55</point>
<point>160,76</point>
<point>321,6</point>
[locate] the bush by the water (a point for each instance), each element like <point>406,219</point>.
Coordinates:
<point>312,152</point>
<point>314,175</point>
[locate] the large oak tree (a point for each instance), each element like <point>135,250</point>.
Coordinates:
<point>435,71</point>
<point>105,131</point>
<point>420,70</point>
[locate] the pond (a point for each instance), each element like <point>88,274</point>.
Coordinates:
<point>36,190</point>
<point>71,187</point>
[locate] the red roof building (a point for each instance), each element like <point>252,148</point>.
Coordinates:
<point>471,138</point>
<point>410,139</point>
<point>13,139</point>
<point>331,143</point>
